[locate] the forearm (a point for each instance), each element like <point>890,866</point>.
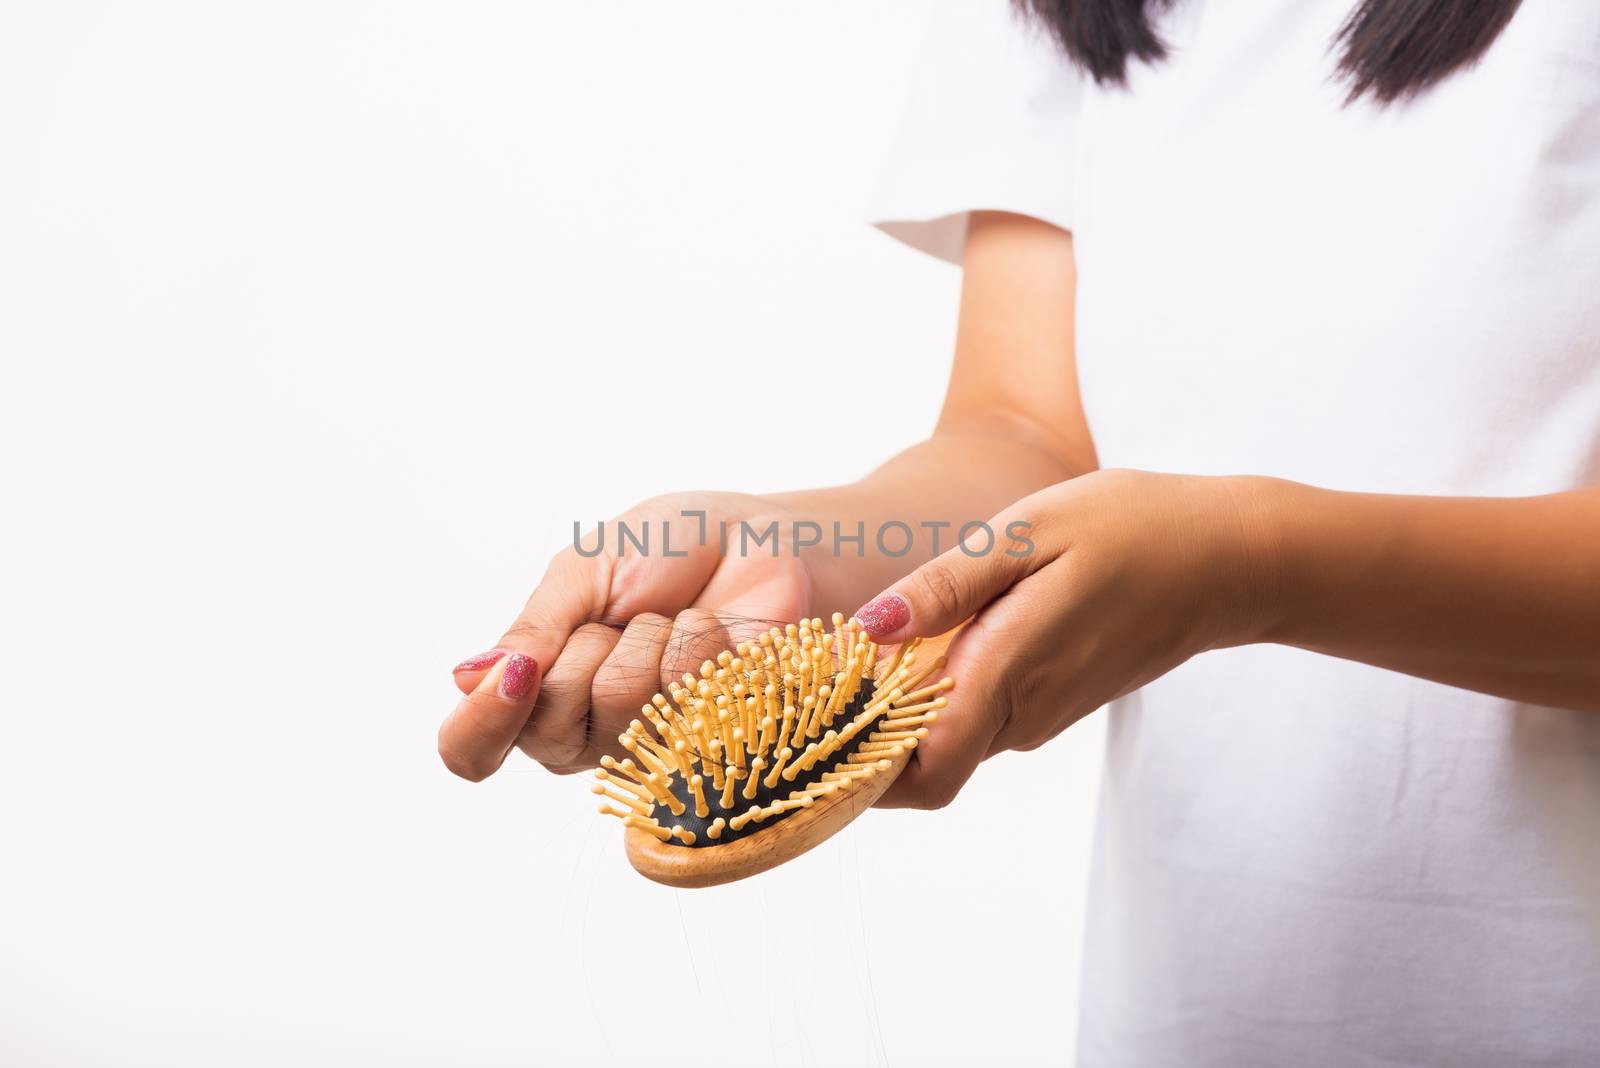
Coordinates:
<point>1499,595</point>
<point>955,477</point>
<point>1012,421</point>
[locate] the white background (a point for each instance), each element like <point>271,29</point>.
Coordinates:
<point>321,323</point>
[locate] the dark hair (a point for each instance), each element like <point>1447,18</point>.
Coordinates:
<point>1391,48</point>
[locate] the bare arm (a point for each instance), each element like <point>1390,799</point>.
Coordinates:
<point>1012,421</point>
<point>1500,595</point>
<point>1135,572</point>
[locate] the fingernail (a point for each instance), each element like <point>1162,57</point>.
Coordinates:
<point>518,677</point>
<point>884,615</point>
<point>479,662</point>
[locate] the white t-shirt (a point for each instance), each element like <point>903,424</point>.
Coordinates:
<point>1303,860</point>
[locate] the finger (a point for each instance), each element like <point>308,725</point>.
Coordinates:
<point>943,761</point>
<point>604,588</point>
<point>698,635</point>
<point>573,591</point>
<point>470,671</point>
<point>557,735</point>
<point>628,679</point>
<point>474,740</point>
<point>949,589</point>
<point>750,593</point>
<point>747,620</point>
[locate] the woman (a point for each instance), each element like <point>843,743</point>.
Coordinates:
<point>1280,328</point>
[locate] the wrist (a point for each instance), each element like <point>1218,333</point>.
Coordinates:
<point>1259,519</point>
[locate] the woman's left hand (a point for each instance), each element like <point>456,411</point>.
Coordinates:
<point>1117,578</point>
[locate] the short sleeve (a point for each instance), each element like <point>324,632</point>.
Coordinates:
<point>990,123</point>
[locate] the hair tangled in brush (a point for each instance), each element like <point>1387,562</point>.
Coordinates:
<point>1391,48</point>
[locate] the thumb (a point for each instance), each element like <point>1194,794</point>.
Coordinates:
<point>946,591</point>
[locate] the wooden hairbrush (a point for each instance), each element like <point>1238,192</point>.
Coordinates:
<point>774,747</point>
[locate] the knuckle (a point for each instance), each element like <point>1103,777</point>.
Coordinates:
<point>696,635</point>
<point>524,631</point>
<point>569,768</point>
<point>559,758</point>
<point>662,505</point>
<point>562,695</point>
<point>1122,476</point>
<point>569,567</point>
<point>599,634</point>
<point>938,792</point>
<point>929,787</point>
<point>460,764</point>
<point>941,587</point>
<point>623,677</point>
<point>1015,692</point>
<point>648,625</point>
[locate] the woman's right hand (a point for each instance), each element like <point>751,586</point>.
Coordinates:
<point>602,634</point>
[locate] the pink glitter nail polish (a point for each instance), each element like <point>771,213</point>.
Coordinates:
<point>519,676</point>
<point>479,662</point>
<point>885,614</point>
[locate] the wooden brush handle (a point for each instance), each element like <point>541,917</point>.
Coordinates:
<point>786,839</point>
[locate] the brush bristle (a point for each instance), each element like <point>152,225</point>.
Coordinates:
<point>800,714</point>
